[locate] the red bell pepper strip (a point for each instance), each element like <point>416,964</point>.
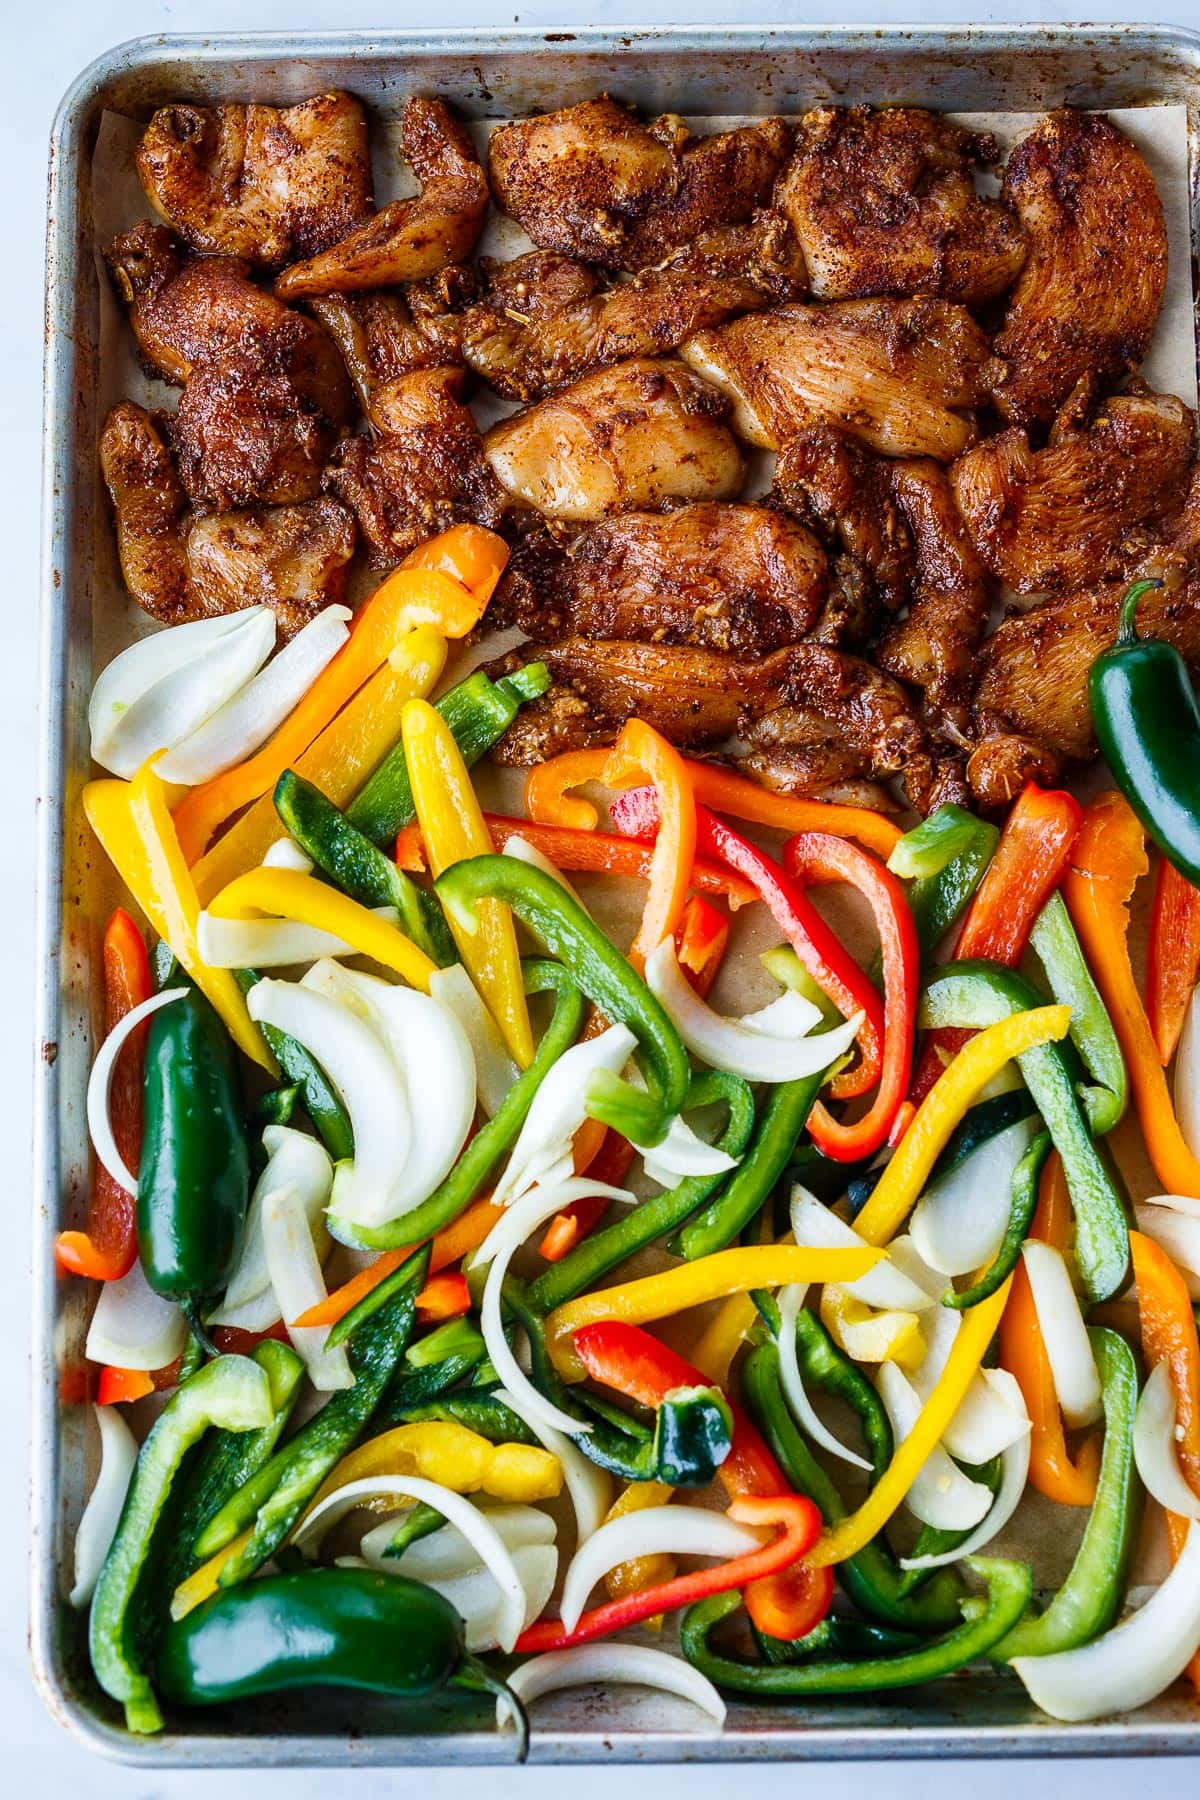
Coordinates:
<point>801,1525</point>
<point>117,1387</point>
<point>816,856</point>
<point>701,938</point>
<point>1030,862</point>
<point>1173,962</point>
<point>105,1251</point>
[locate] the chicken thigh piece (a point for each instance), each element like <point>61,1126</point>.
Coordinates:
<point>259,182</point>
<point>884,202</point>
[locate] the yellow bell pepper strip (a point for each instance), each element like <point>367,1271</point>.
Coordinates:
<point>966,1354</point>
<point>440,1450</point>
<point>714,1350</point>
<point>408,598</point>
<point>287,894</point>
<point>132,822</point>
<point>453,827</point>
<point>204,1582</point>
<point>977,1063</point>
<point>869,1336</point>
<point>693,1284</point>
<point>1107,862</point>
<point>640,1571</point>
<point>338,762</point>
<point>638,752</point>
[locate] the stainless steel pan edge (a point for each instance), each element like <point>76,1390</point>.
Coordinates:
<point>740,69</point>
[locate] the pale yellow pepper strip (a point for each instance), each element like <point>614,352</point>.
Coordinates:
<point>869,1336</point>
<point>443,1451</point>
<point>132,822</point>
<point>640,1571</point>
<point>693,1284</point>
<point>203,1582</point>
<point>453,829</point>
<point>714,1350</point>
<point>977,1063</point>
<point>287,894</point>
<point>976,1333</point>
<point>338,761</point>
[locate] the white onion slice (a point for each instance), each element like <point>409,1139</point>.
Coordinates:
<point>446,1552</point>
<point>1154,1446</point>
<point>1173,1221</point>
<point>495,1070</point>
<point>605,1665</point>
<point>749,1051</point>
<point>678,1530</point>
<point>790,1299</point>
<point>296,1161</point>
<point>523,851</point>
<point>985,1422</point>
<point>133,1327</point>
<point>1014,1473</point>
<point>1130,1664</point>
<point>1068,1350</point>
<point>270,943</point>
<point>589,1487</point>
<point>298,1284</point>
<point>904,1255</point>
<point>542,1151</point>
<point>285,853</point>
<point>790,1014</point>
<point>100,1085</point>
<point>884,1286</point>
<point>681,1154</point>
<point>259,708</point>
<point>454,1508</point>
<point>959,1224</point>
<point>102,1514</point>
<point>941,1495</point>
<point>478,1601</point>
<point>1187,1076</point>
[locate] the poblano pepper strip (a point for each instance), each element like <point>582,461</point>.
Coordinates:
<point>605,977</point>
<point>486,1416</point>
<point>418,1387</point>
<point>321,1101</point>
<point>1090,1598</point>
<point>748,1187</point>
<point>979,1125</point>
<point>232,1393</point>
<point>985,1622</point>
<point>1070,980</point>
<point>229,1458</point>
<point>822,1365</point>
<point>1022,1206</point>
<point>978,994</point>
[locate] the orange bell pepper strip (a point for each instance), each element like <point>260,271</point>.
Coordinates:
<point>106,1250</point>
<point>548,799</point>
<point>1052,1470</point>
<point>639,752</point>
<point>459,1238</point>
<point>444,1296</point>
<point>1169,1335</point>
<point>118,1387</point>
<point>470,554</point>
<point>1107,862</point>
<point>701,939</point>
<point>1173,963</point>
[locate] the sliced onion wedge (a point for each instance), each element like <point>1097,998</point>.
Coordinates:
<point>790,1299</point>
<point>986,1422</point>
<point>1068,1351</point>
<point>495,1070</point>
<point>884,1286</point>
<point>589,1487</point>
<point>1154,1446</point>
<point>100,1085</point>
<point>1187,1077</point>
<point>102,1514</point>
<point>454,1508</point>
<point>605,1665</point>
<point>1173,1221</point>
<point>270,943</point>
<point>682,1153</point>
<point>543,1149</point>
<point>133,1327</point>
<point>941,1494</point>
<point>1130,1664</point>
<point>749,1051</point>
<point>1014,1473</point>
<point>959,1223</point>
<point>446,1552</point>
<point>297,1161</point>
<point>523,851</point>
<point>298,1284</point>
<point>677,1530</point>
<point>285,853</point>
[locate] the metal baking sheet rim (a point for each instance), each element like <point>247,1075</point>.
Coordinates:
<point>1173,1725</point>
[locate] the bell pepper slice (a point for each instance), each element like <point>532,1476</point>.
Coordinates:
<point>609,1168</point>
<point>870,1336</point>
<point>1173,963</point>
<point>724,1335</point>
<point>1057,947</point>
<point>1108,860</point>
<point>120,1387</point>
<point>604,853</point>
<point>287,894</point>
<point>440,1450</point>
<point>641,1571</point>
<point>132,822</point>
<point>548,797</point>
<point>444,1296</point>
<point>701,939</point>
<point>465,1234</point>
<point>640,750</point>
<point>106,1250</point>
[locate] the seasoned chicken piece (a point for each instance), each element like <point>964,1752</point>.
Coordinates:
<point>738,578</point>
<point>420,471</point>
<point>631,436</point>
<point>291,558</point>
<point>824,477</point>
<point>592,181</point>
<point>265,396</point>
<point>884,202</point>
<point>1003,764</point>
<point>1088,297</point>
<point>934,647</point>
<point>1064,517</point>
<point>391,333</point>
<point>410,238</point>
<point>257,181</point>
<point>901,375</point>
<point>730,270</point>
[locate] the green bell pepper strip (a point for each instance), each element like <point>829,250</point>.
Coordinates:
<point>232,1393</point>
<point>481,1413</point>
<point>1070,981</point>
<point>419,1386</point>
<point>932,1540</point>
<point>1022,1206</point>
<point>936,901</point>
<point>604,975</point>
<point>975,994</point>
<point>1090,1598</point>
<point>986,1621</point>
<point>321,1101</point>
<point>420,1521</point>
<point>871,1577</point>
<point>347,1628</point>
<point>493,1141</point>
<point>228,1459</point>
<point>274,1498</point>
<point>840,1636</point>
<point>927,849</point>
<point>194,1357</point>
<point>823,1365</point>
<point>785,967</point>
<point>453,1338</point>
<point>602,1250</point>
<point>194,1178</point>
<point>478,711</point>
<point>748,1187</point>
<point>353,864</point>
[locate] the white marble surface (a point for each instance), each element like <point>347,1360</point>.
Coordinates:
<point>49,41</point>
